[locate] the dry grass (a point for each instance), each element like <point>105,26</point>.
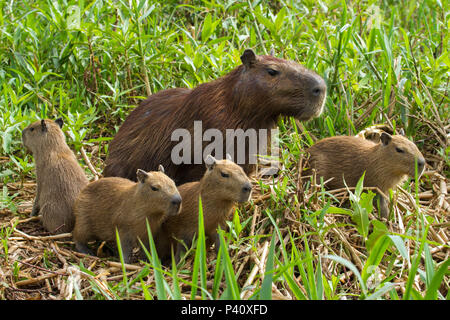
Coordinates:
<point>384,62</point>
<point>47,264</point>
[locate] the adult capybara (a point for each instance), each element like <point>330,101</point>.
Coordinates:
<point>252,96</point>
<point>110,203</point>
<point>223,184</point>
<point>58,173</point>
<point>385,163</point>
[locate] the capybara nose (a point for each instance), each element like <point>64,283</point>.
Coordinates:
<point>247,188</point>
<point>176,200</point>
<point>319,88</point>
<point>317,91</point>
<point>420,163</point>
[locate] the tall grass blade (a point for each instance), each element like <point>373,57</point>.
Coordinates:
<point>218,274</point>
<point>414,267</point>
<point>122,263</point>
<point>200,256</point>
<point>319,280</point>
<point>233,290</point>
<point>266,286</point>
<point>375,256</point>
<point>436,281</point>
<point>156,264</point>
<point>176,291</point>
<point>352,267</point>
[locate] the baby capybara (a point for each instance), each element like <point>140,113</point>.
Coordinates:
<point>252,96</point>
<point>110,203</point>
<point>385,163</point>
<point>58,173</point>
<point>222,186</point>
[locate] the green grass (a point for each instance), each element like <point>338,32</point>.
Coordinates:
<point>383,61</point>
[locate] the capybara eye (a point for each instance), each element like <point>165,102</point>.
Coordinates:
<point>399,150</point>
<point>272,72</point>
<point>225,175</point>
<point>154,188</point>
<point>31,129</point>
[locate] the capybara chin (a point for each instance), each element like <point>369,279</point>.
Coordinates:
<point>110,203</point>
<point>385,163</point>
<point>252,96</point>
<point>58,173</point>
<point>223,185</point>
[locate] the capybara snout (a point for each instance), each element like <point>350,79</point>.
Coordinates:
<point>175,205</point>
<point>421,164</point>
<point>156,185</point>
<point>246,192</point>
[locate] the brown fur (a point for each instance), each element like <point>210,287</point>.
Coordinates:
<point>111,203</point>
<point>247,97</point>
<point>219,195</point>
<point>58,173</point>
<point>349,157</point>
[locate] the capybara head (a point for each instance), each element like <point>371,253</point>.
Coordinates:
<point>226,179</point>
<point>287,87</point>
<point>401,154</point>
<point>43,134</point>
<point>160,190</point>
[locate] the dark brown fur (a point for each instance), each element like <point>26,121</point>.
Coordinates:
<point>219,195</point>
<point>111,203</point>
<point>385,164</point>
<point>247,97</point>
<point>58,173</point>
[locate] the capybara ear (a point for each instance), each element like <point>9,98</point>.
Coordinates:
<point>161,168</point>
<point>60,122</point>
<point>248,58</point>
<point>141,175</point>
<point>210,162</point>
<point>43,126</point>
<point>385,138</point>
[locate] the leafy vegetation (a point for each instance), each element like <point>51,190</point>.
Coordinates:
<point>91,62</point>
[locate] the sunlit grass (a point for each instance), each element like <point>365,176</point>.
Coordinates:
<point>384,62</point>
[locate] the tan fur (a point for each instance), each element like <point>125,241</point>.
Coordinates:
<point>219,195</point>
<point>345,157</point>
<point>111,203</point>
<point>58,173</point>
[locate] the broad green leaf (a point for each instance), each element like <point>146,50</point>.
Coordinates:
<point>436,281</point>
